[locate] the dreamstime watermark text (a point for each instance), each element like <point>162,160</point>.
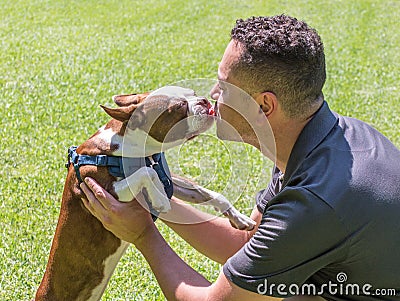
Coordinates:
<point>331,288</point>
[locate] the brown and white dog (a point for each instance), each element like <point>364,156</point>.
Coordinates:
<point>84,254</point>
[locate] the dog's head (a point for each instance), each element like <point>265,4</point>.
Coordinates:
<point>169,115</point>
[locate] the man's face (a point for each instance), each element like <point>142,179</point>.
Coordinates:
<point>240,116</point>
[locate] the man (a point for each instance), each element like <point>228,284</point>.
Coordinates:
<point>328,222</point>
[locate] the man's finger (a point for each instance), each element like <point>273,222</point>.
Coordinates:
<point>102,195</point>
<point>92,203</point>
<point>89,207</point>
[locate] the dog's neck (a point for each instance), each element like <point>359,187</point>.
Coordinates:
<point>134,142</point>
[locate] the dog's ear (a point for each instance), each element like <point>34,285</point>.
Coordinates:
<point>135,118</point>
<point>129,99</point>
<point>122,114</point>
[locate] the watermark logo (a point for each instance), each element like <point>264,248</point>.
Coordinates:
<point>341,277</point>
<point>330,288</point>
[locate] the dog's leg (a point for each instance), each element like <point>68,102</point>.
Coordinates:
<point>190,192</point>
<point>147,178</point>
<point>83,254</point>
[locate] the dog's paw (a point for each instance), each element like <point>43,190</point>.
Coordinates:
<point>162,205</point>
<point>240,221</point>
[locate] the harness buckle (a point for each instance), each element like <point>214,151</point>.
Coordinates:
<point>152,162</point>
<point>168,182</point>
<point>101,160</point>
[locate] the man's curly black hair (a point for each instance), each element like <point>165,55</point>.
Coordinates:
<point>282,55</point>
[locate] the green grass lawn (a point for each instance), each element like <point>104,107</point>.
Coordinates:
<point>60,59</point>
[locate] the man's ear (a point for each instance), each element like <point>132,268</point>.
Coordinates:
<point>268,103</point>
<point>122,114</point>
<point>129,99</point>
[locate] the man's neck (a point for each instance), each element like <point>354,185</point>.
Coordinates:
<point>286,135</point>
<point>286,132</point>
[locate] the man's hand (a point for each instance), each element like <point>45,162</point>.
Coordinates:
<point>128,221</point>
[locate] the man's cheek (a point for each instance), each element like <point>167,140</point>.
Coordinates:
<point>230,115</point>
<point>223,111</point>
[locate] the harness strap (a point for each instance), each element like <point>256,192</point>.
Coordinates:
<point>115,164</point>
<point>122,167</point>
<point>156,163</point>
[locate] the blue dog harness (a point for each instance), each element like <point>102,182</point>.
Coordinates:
<point>122,167</point>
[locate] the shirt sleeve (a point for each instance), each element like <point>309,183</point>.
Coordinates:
<point>299,235</point>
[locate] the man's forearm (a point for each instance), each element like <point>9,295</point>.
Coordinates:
<point>177,280</point>
<point>210,235</point>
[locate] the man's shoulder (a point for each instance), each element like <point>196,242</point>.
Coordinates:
<point>353,154</point>
<point>355,169</point>
<point>362,136</point>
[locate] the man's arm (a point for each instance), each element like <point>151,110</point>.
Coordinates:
<point>132,223</point>
<point>212,236</point>
<point>178,281</point>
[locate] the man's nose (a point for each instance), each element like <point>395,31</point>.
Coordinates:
<point>215,92</point>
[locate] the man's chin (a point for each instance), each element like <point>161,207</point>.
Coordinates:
<point>229,135</point>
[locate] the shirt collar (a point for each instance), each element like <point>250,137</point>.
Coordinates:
<point>310,137</point>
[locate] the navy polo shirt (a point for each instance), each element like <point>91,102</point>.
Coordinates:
<point>331,224</point>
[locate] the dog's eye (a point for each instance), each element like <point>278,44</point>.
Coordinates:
<point>184,104</point>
